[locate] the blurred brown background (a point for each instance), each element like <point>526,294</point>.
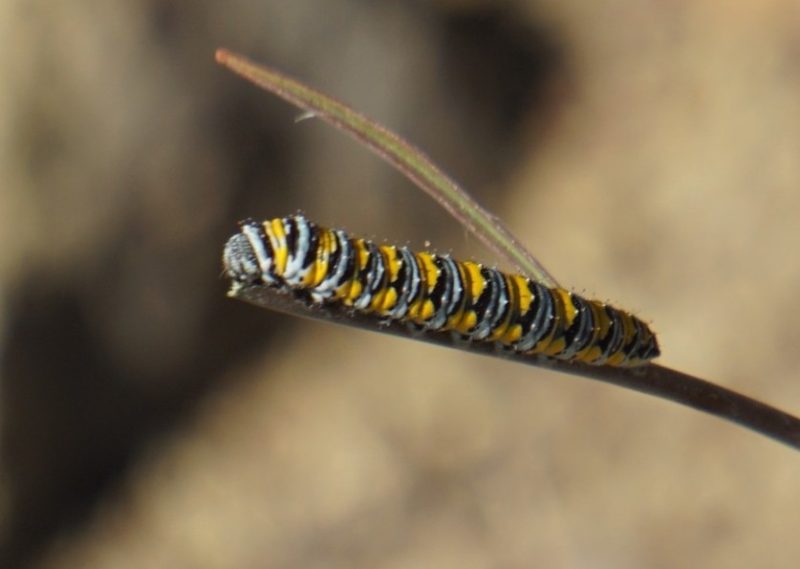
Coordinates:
<point>647,152</point>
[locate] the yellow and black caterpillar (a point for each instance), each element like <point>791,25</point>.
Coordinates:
<point>435,292</point>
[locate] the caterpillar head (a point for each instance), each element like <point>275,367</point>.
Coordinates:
<point>240,261</point>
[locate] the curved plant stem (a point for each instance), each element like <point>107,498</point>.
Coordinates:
<point>406,158</point>
<point>651,379</point>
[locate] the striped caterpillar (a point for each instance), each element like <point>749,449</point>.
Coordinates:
<point>435,292</point>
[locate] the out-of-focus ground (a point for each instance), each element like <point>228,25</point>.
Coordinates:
<point>647,152</point>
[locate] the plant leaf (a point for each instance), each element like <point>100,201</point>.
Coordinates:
<point>406,158</point>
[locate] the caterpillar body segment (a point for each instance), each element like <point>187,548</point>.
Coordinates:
<point>435,292</point>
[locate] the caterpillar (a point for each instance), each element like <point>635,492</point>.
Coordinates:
<point>435,292</point>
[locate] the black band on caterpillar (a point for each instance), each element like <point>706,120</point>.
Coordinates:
<point>435,292</point>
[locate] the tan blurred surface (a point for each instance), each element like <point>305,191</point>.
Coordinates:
<point>653,159</point>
